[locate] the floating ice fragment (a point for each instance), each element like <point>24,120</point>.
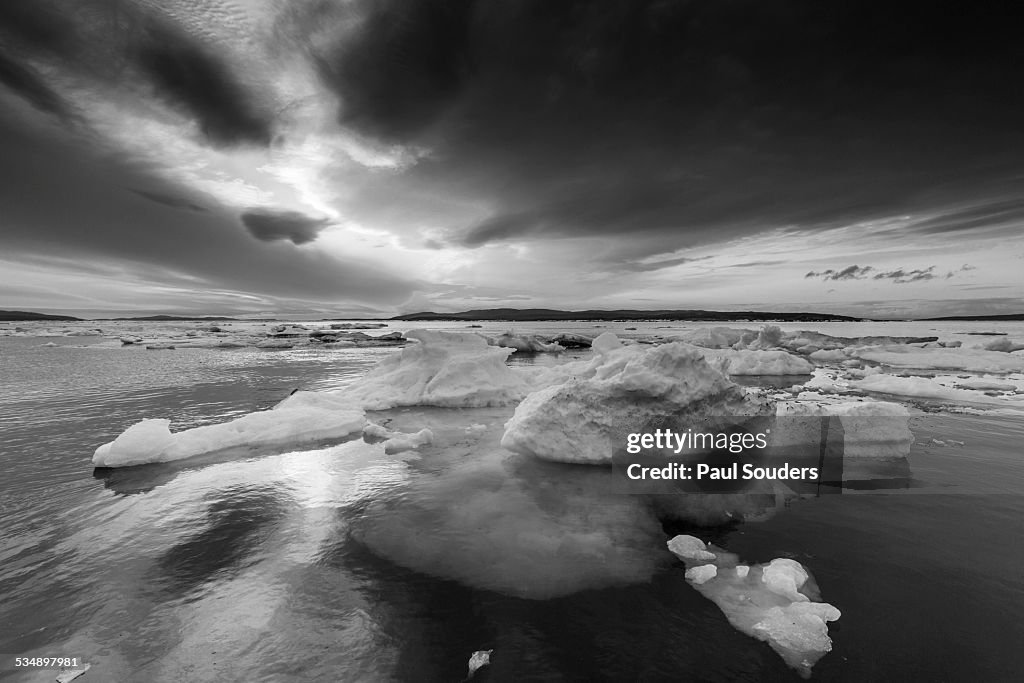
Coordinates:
<point>690,548</point>
<point>776,602</point>
<point>68,675</point>
<point>304,417</point>
<point>479,659</point>
<point>399,442</point>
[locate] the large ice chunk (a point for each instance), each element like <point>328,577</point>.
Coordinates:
<point>303,418</point>
<point>623,389</point>
<point>776,602</point>
<point>446,369</point>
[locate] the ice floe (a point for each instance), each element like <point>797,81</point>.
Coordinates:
<point>582,418</point>
<point>968,360</point>
<point>776,602</point>
<point>303,418</point>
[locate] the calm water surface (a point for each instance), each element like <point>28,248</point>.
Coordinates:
<point>340,563</point>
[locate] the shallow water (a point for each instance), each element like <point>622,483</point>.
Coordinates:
<point>341,563</point>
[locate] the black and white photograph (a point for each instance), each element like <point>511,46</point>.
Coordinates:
<point>469,341</point>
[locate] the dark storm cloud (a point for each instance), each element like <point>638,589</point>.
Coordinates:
<point>27,83</point>
<point>694,117</point>
<point>269,226</point>
<point>196,80</point>
<point>131,46</point>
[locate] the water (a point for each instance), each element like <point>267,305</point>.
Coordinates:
<point>341,563</point>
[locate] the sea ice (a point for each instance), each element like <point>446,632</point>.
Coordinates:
<point>775,602</point>
<point>717,337</point>
<point>924,387</point>
<point>303,418</point>
<point>755,362</point>
<point>1003,344</point>
<point>525,343</point>
<point>446,369</point>
<point>274,344</point>
<point>969,360</point>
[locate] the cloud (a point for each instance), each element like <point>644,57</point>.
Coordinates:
<point>170,200</point>
<point>72,205</point>
<point>899,276</point>
<point>27,83</point>
<point>999,211</point>
<point>197,81</point>
<point>572,149</point>
<point>702,120</point>
<point>270,225</point>
<point>849,273</point>
<point>134,48</point>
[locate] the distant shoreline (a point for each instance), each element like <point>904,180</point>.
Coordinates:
<point>536,315</point>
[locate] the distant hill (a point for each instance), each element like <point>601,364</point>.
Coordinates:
<point>178,318</point>
<point>1008,317</point>
<point>29,315</point>
<point>538,314</point>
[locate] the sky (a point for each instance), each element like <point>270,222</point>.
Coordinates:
<point>360,158</point>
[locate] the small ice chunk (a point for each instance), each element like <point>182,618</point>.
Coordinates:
<point>771,602</point>
<point>376,431</point>
<point>68,675</point>
<point>701,573</point>
<point>397,442</point>
<point>479,659</point>
<point>690,548</point>
<point>407,442</point>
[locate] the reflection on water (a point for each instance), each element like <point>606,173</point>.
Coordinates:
<point>236,524</point>
<point>342,563</point>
